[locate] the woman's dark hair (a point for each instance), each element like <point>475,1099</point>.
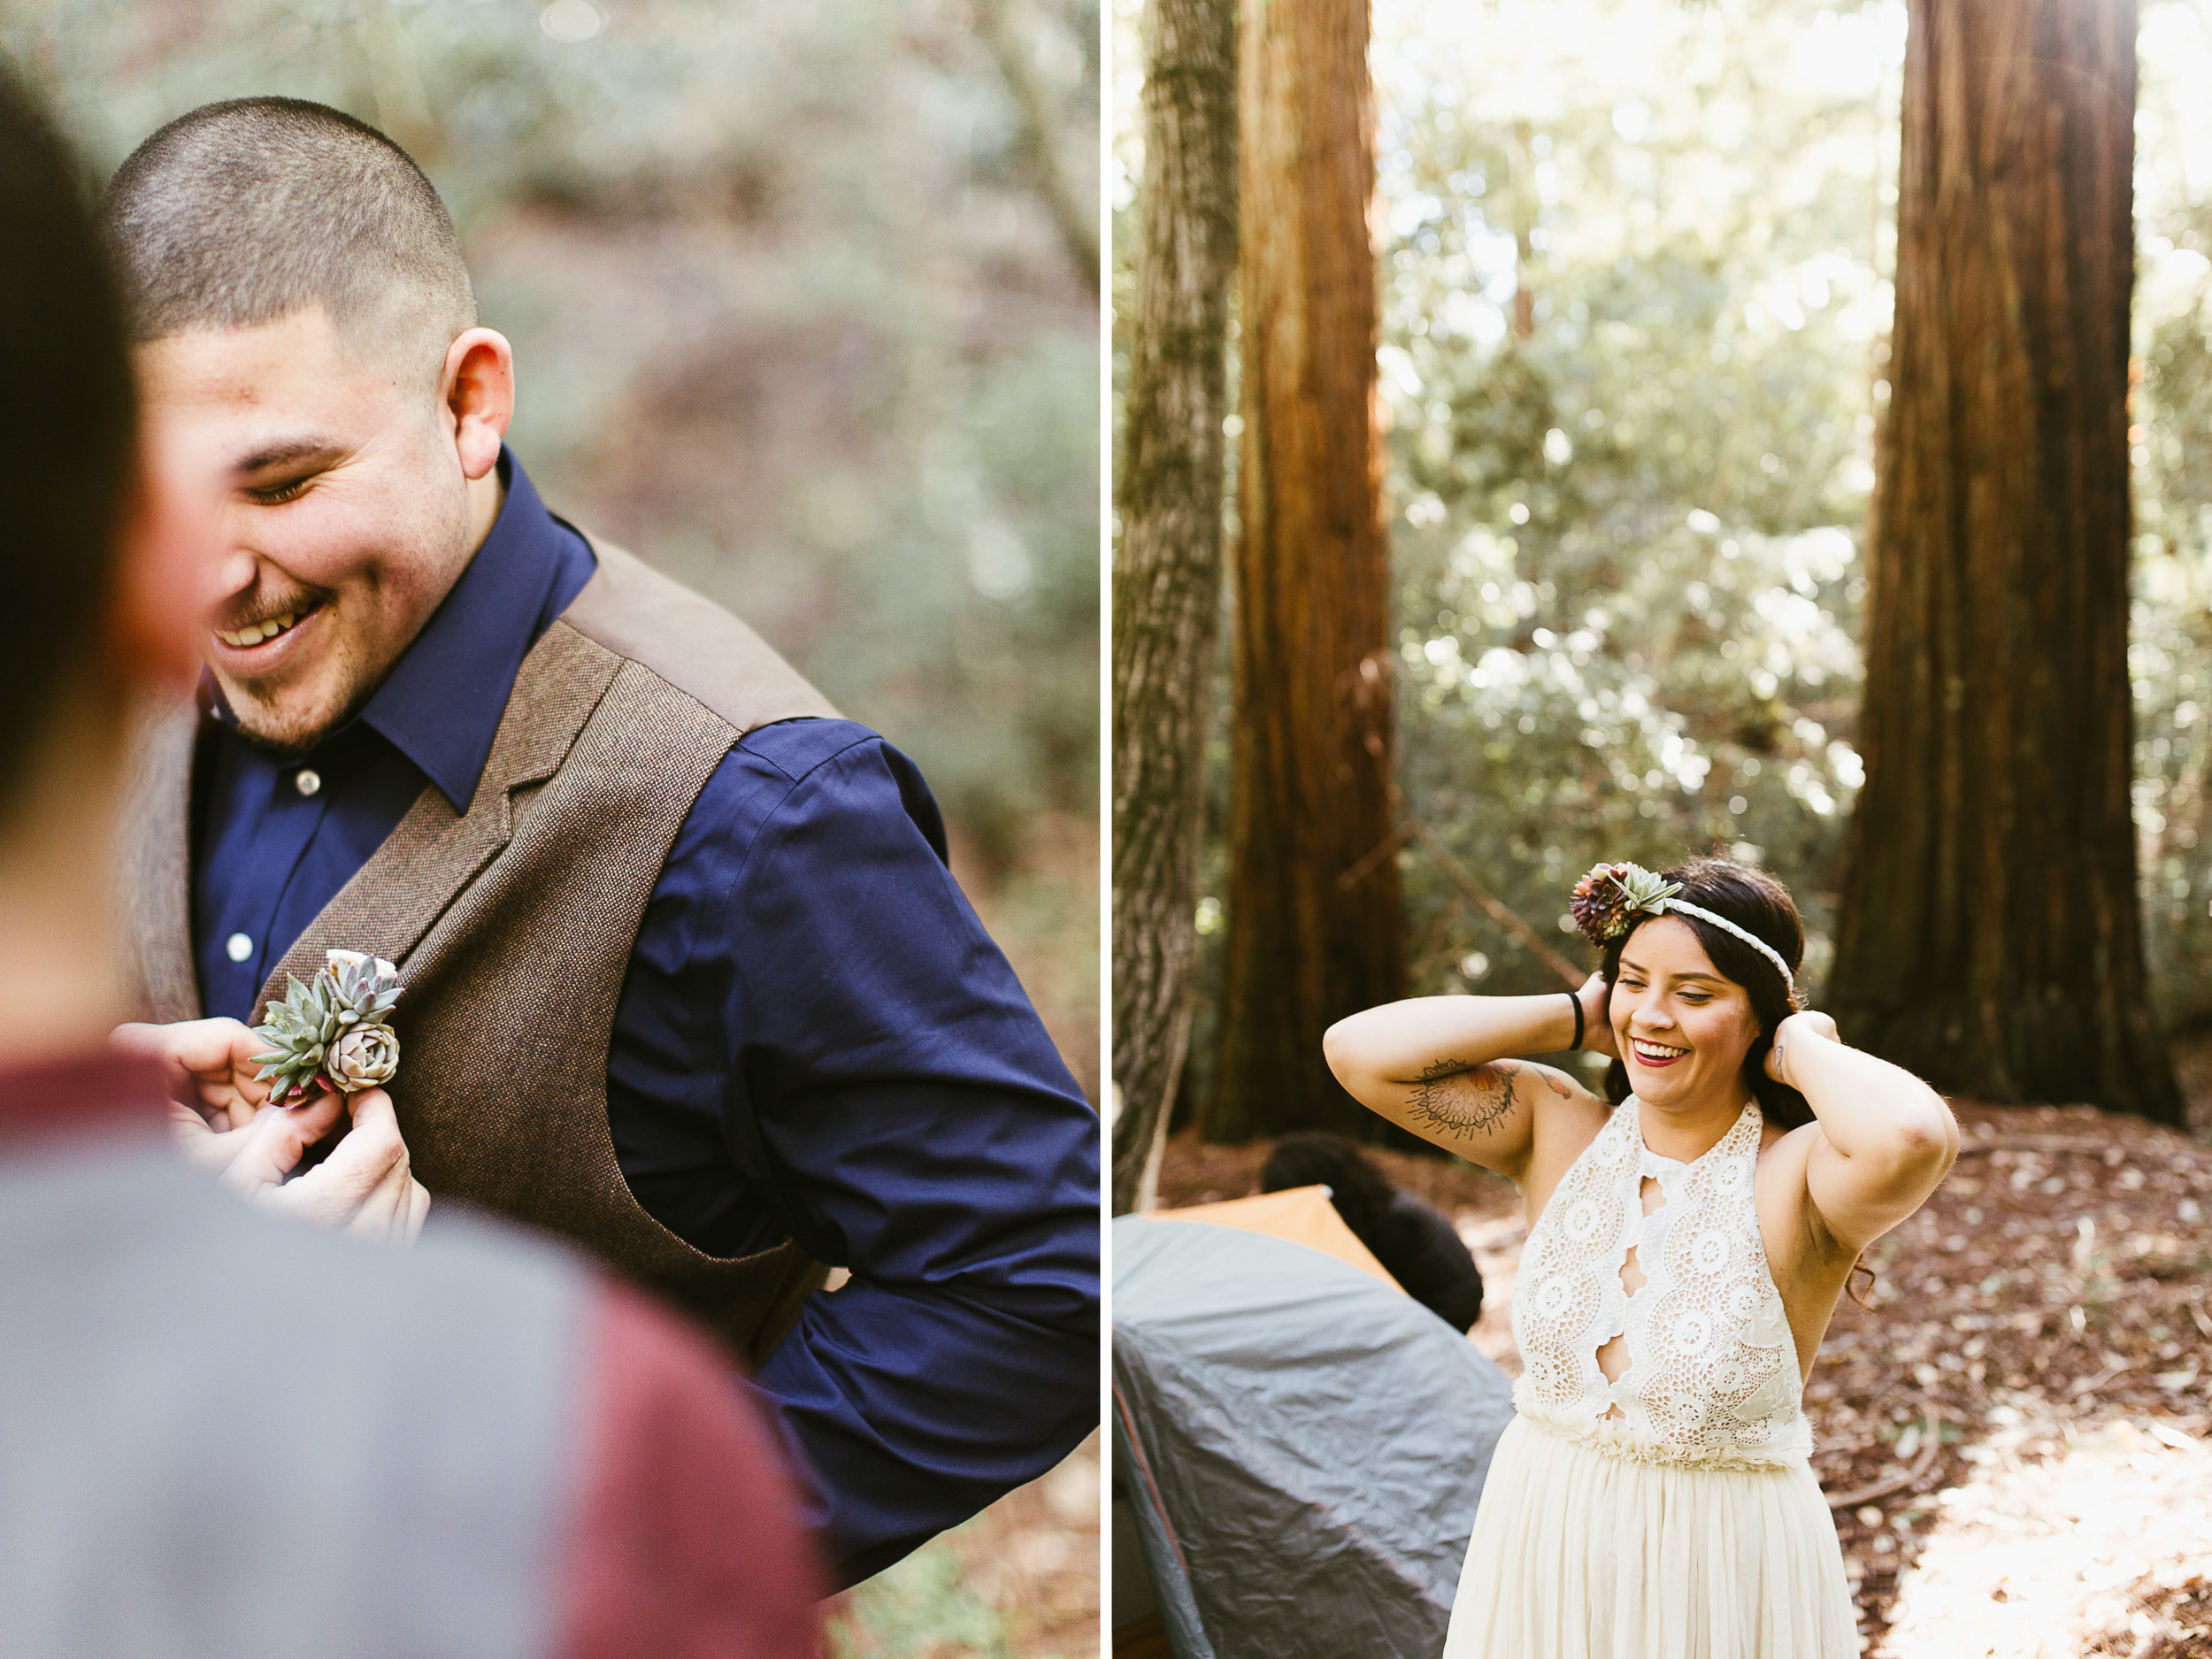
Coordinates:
<point>1761,906</point>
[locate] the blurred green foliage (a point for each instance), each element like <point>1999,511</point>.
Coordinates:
<point>1628,544</point>
<point>1627,541</point>
<point>919,1609</point>
<point>793,320</point>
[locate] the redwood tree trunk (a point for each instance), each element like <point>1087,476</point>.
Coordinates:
<point>1989,936</point>
<point>1314,926</point>
<point>1167,569</point>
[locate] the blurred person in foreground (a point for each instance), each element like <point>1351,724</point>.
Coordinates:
<point>687,977</point>
<point>1416,1246</point>
<point>225,1434</point>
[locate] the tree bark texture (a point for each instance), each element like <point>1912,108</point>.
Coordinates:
<point>1313,922</point>
<point>1167,569</point>
<point>1989,934</point>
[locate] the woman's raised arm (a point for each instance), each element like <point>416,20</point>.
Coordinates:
<point>1439,1066</point>
<point>1886,1138</point>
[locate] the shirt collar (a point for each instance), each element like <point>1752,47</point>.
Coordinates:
<point>442,702</point>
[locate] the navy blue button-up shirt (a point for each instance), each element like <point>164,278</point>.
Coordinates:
<point>816,1039</point>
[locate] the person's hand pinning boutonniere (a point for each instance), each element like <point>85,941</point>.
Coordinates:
<point>323,1056</point>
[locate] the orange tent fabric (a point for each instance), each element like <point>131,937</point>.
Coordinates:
<point>1301,1214</point>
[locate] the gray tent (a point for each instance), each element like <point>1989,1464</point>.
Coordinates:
<point>1301,1445</point>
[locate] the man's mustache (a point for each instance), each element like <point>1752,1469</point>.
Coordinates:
<point>240,616</point>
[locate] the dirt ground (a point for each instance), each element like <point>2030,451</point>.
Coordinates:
<point>2015,1434</point>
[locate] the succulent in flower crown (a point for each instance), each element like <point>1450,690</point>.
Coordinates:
<point>1603,899</point>
<point>334,1031</point>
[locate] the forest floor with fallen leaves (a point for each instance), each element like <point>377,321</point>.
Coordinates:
<point>2015,1434</point>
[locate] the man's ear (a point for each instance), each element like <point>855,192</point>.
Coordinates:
<point>159,599</point>
<point>479,395</point>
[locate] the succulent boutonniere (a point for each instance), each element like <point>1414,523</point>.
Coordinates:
<point>335,1032</point>
<point>1604,898</point>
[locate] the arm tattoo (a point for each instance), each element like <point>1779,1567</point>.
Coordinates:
<point>1441,1106</point>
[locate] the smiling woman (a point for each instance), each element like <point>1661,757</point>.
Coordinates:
<point>1688,1239</point>
<point>1728,944</point>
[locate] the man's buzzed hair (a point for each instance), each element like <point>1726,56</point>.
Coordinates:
<point>244,213</point>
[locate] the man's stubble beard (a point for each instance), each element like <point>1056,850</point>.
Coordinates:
<point>348,674</point>
<point>289,728</point>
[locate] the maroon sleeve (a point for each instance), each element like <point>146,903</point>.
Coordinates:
<point>687,1544</point>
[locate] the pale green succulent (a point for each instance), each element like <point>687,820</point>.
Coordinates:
<point>1604,898</point>
<point>1644,890</point>
<point>352,993</point>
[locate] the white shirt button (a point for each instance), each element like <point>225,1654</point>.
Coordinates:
<point>307,780</point>
<point>238,947</point>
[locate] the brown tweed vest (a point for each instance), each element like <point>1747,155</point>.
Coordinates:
<point>513,924</point>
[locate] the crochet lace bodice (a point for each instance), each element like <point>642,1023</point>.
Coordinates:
<point>1712,1370</point>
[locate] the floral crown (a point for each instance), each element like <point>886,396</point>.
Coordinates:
<point>1605,901</point>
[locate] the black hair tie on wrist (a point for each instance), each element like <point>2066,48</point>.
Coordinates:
<point>1577,1000</point>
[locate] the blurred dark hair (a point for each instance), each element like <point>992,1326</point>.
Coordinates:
<point>68,426</point>
<point>1314,1158</point>
<point>1419,1249</point>
<point>1761,906</point>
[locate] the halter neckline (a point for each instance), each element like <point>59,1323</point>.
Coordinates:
<point>1643,1146</point>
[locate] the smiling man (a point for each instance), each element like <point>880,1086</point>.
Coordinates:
<point>687,979</point>
<point>322,600</point>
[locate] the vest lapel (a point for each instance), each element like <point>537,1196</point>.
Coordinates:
<point>155,869</point>
<point>423,864</point>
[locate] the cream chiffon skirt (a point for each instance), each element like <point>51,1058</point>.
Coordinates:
<point>1581,1553</point>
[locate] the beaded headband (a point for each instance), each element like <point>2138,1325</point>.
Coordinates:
<point>1604,899</point>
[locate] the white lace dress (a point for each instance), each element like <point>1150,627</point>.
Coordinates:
<point>1673,1512</point>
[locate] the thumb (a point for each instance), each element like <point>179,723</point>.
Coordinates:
<point>275,1140</point>
<point>375,1116</point>
<point>371,1150</point>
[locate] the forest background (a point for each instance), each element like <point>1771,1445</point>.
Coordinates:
<point>1635,290</point>
<point>805,313</point>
